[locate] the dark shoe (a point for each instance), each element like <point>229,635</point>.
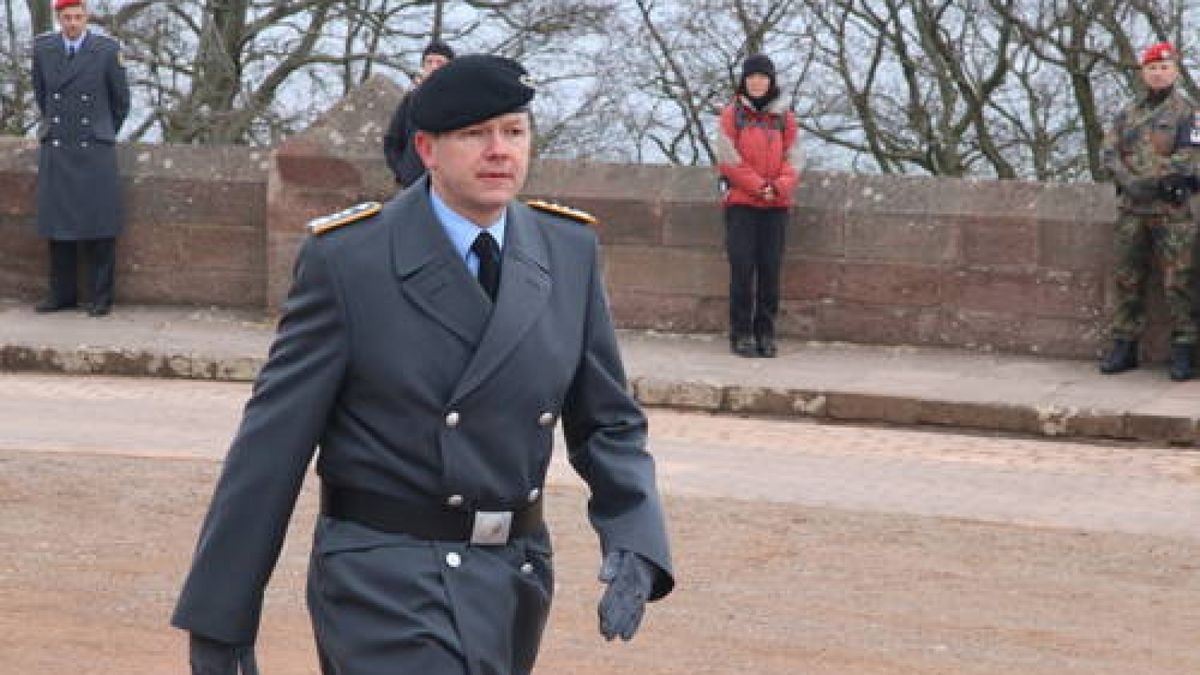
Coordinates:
<point>743,346</point>
<point>1181,362</point>
<point>1124,356</point>
<point>47,306</point>
<point>766,347</point>
<point>99,310</point>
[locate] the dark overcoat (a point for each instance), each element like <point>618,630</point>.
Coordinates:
<point>391,358</point>
<point>83,101</point>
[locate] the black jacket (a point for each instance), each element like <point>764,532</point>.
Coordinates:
<point>398,148</point>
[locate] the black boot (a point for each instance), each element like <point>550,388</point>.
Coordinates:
<point>1181,361</point>
<point>1124,356</point>
<point>743,345</point>
<point>766,346</point>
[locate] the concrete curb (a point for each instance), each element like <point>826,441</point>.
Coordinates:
<point>850,406</point>
<point>832,405</point>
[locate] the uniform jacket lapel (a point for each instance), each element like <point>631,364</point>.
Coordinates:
<point>525,286</point>
<point>71,67</point>
<point>430,273</point>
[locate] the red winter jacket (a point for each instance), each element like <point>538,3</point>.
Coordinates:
<point>756,149</point>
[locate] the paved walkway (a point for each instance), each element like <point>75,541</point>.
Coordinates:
<point>904,385</point>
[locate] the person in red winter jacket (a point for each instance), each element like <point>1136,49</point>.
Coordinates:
<point>758,156</point>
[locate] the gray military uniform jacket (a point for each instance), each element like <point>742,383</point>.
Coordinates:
<point>83,102</point>
<point>392,359</point>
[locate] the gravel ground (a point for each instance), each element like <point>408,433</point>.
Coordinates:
<point>93,548</point>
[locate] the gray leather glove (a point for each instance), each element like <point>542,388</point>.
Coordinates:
<point>210,657</point>
<point>630,579</point>
<point>1142,190</point>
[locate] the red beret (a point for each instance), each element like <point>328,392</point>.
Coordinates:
<point>1163,51</point>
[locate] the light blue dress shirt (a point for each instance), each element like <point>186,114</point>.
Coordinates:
<point>67,44</point>
<point>462,232</point>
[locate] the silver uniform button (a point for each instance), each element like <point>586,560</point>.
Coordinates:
<point>55,143</point>
<point>546,419</point>
<point>83,144</point>
<point>454,500</point>
<point>57,96</point>
<point>453,559</point>
<point>527,568</point>
<point>534,494</point>
<point>452,418</point>
<point>84,121</point>
<point>54,120</point>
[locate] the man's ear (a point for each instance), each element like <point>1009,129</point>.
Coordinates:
<point>424,143</point>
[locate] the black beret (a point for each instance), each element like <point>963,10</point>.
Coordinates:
<point>438,47</point>
<point>758,63</point>
<point>469,90</point>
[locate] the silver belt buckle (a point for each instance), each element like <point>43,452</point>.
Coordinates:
<point>491,528</point>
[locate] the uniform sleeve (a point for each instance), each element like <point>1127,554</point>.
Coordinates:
<point>118,89</point>
<point>397,136</point>
<point>1187,145</point>
<point>242,534</point>
<point>605,432</point>
<point>1110,154</point>
<point>39,82</point>
<point>793,160</point>
<point>729,160</point>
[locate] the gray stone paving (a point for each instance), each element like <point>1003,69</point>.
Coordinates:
<point>898,384</point>
<point>1102,487</point>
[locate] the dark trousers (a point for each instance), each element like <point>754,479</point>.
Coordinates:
<point>754,241</point>
<point>100,258</point>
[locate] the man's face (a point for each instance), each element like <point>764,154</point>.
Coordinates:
<point>431,62</point>
<point>1160,74</point>
<point>479,169</point>
<point>73,21</point>
<point>757,85</point>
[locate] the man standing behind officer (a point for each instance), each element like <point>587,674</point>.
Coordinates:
<point>1151,151</point>
<point>83,97</point>
<point>430,346</point>
<point>398,146</point>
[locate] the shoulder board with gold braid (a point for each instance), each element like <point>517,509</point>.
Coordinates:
<point>564,211</point>
<point>335,220</point>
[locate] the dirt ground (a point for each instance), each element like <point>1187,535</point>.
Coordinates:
<point>93,549</point>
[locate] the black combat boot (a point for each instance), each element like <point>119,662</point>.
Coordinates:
<point>766,346</point>
<point>743,345</point>
<point>1181,361</point>
<point>1124,356</point>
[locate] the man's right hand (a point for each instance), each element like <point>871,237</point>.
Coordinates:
<point>210,657</point>
<point>1177,188</point>
<point>1142,190</point>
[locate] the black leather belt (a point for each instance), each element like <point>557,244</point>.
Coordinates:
<point>388,514</point>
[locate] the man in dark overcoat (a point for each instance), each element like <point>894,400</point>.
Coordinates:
<point>83,97</point>
<point>429,346</point>
<point>398,147</point>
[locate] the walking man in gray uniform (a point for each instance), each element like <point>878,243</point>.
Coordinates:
<point>83,97</point>
<point>429,346</point>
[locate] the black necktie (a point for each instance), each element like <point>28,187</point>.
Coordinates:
<point>488,252</point>
<point>71,52</point>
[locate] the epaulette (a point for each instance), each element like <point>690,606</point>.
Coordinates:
<point>564,211</point>
<point>335,220</point>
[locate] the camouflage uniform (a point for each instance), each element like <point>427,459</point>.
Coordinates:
<point>1152,138</point>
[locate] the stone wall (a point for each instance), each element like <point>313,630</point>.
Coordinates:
<point>193,225</point>
<point>1011,266</point>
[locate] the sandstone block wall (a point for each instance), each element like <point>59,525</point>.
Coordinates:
<point>1012,266</point>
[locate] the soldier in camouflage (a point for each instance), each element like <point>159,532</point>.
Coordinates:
<point>1151,152</point>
